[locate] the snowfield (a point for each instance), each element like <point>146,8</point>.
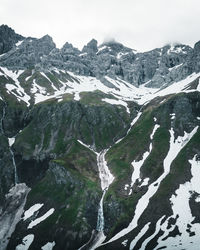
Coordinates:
<point>121,91</point>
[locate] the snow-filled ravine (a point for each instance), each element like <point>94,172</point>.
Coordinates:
<point>176,145</point>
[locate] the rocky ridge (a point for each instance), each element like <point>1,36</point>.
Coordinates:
<point>156,68</point>
<point>60,107</point>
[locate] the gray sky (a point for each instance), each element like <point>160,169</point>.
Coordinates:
<point>139,24</point>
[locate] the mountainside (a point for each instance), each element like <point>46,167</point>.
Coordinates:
<point>99,148</point>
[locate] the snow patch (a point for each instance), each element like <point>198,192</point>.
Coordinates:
<point>124,243</point>
<point>144,244</point>
<point>26,242</point>
<point>174,149</point>
<point>13,88</point>
<point>117,102</point>
<point>139,236</point>
<point>138,164</point>
<point>28,213</point>
<point>145,182</point>
<point>182,211</point>
<point>120,54</point>
<point>11,141</point>
<point>19,43</point>
<point>76,96</point>
<point>157,126</point>
<point>126,186</point>
<point>48,246</point>
<point>101,48</point>
<point>40,219</point>
<point>173,116</point>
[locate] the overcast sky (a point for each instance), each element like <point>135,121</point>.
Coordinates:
<point>139,24</point>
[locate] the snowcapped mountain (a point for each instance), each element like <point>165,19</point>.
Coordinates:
<point>99,148</point>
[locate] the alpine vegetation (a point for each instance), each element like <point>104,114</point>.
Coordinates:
<point>99,147</point>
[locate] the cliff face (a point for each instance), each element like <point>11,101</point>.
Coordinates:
<point>71,120</point>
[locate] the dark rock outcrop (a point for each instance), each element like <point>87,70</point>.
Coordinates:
<point>8,38</point>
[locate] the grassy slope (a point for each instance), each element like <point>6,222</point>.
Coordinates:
<point>71,187</point>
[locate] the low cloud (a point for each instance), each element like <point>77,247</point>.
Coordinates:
<point>139,24</point>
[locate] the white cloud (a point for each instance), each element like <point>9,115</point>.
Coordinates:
<point>140,24</point>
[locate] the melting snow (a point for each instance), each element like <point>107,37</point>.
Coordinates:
<point>126,186</point>
<point>102,48</point>
<point>175,148</point>
<point>120,54</point>
<point>181,208</point>
<point>197,199</point>
<point>173,116</point>
<point>117,102</point>
<point>124,243</point>
<point>122,90</point>
<point>37,88</point>
<point>52,85</point>
<point>176,49</point>
<point>28,213</point>
<point>138,164</point>
<point>139,236</point>
<point>16,87</point>
<point>145,182</point>
<point>144,244</point>
<point>76,96</point>
<point>49,246</point>
<point>87,146</point>
<point>40,219</point>
<point>26,242</point>
<point>157,126</point>
<point>98,240</point>
<point>19,43</point>
<point>11,141</point>
<point>175,67</point>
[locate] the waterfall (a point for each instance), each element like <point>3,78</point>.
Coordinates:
<point>106,179</point>
<point>100,218</point>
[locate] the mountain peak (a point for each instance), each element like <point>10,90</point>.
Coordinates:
<point>197,47</point>
<point>68,48</point>
<point>115,46</point>
<point>91,46</point>
<point>8,38</point>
